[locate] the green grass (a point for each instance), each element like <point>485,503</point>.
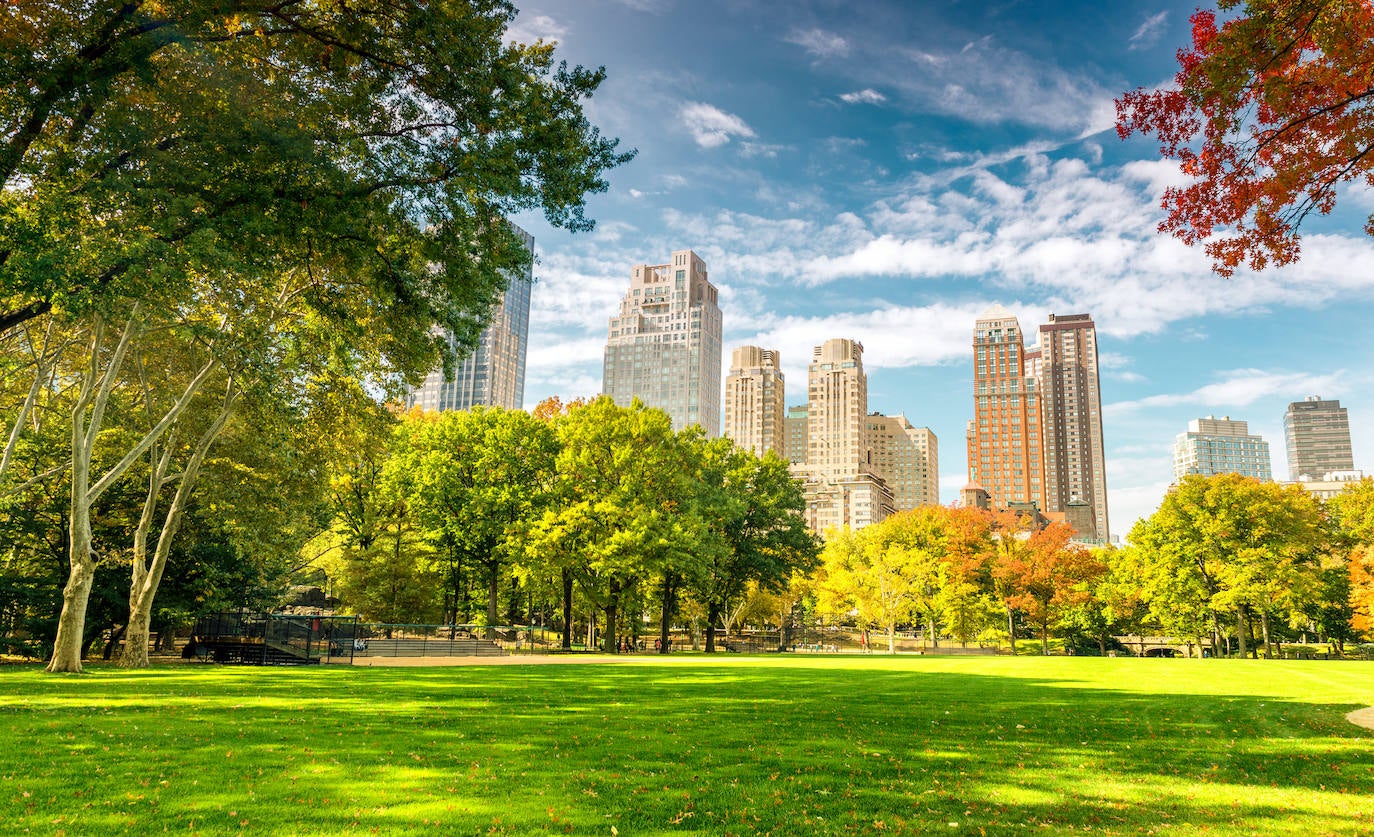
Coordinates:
<point>736,746</point>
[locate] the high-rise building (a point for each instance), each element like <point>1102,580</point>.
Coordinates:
<point>841,487</point>
<point>1220,446</point>
<point>1004,441</point>
<point>664,346</point>
<point>907,458</point>
<point>1317,434</point>
<point>836,410</point>
<point>1075,475</point>
<point>754,404</point>
<point>796,434</point>
<point>493,374</point>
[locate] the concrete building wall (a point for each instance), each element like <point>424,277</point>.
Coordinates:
<point>1065,367</point>
<point>1221,446</point>
<point>1004,439</point>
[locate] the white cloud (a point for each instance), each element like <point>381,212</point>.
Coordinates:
<point>760,149</point>
<point>1147,35</point>
<point>1238,388</point>
<point>527,30</point>
<point>867,96</point>
<point>712,127</point>
<point>819,43</point>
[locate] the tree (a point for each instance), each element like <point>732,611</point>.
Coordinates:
<point>1353,513</point>
<point>621,503</point>
<point>1048,577</point>
<point>359,160</point>
<point>1272,110</point>
<point>474,478</point>
<point>753,506</point>
<point>1225,548</point>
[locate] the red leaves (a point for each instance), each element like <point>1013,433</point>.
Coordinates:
<point>1272,111</point>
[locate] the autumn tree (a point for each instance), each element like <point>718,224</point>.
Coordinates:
<point>1353,513</point>
<point>1271,111</point>
<point>1049,576</point>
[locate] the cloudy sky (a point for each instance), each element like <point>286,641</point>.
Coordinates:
<point>886,171</point>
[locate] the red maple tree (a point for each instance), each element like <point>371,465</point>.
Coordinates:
<point>1272,110</point>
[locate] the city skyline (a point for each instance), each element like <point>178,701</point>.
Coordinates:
<point>888,171</point>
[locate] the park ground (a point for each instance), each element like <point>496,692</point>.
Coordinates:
<point>740,745</point>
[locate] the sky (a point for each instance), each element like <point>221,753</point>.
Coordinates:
<point>886,171</point>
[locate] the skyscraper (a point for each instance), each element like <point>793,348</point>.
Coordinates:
<point>907,458</point>
<point>1220,446</point>
<point>664,346</point>
<point>1004,441</point>
<point>754,405</point>
<point>842,489</point>
<point>837,409</point>
<point>494,373</point>
<point>1317,434</point>
<point>1071,421</point>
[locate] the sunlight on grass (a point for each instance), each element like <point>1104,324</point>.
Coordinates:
<point>746,745</point>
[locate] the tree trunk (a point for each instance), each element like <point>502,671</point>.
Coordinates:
<point>1011,628</point>
<point>1102,646</point>
<point>668,606</point>
<point>567,609</point>
<point>712,614</point>
<point>493,590</point>
<point>892,637</point>
<point>934,632</point>
<point>612,610</point>
<point>1242,628</point>
<point>1045,638</point>
<point>115,636</point>
<point>1268,642</point>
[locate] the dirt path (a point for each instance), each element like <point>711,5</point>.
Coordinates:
<point>1362,718</point>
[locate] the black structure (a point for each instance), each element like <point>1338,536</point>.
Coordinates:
<point>275,638</point>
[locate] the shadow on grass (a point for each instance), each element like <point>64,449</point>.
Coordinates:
<point>859,746</point>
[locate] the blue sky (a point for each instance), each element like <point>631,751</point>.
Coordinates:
<point>886,171</point>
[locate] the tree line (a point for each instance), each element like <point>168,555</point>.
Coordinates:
<point>1227,563</point>
<point>475,516</point>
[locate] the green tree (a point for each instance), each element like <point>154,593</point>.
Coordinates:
<point>619,503</point>
<point>1223,548</point>
<point>475,479</point>
<point>350,166</point>
<point>753,507</point>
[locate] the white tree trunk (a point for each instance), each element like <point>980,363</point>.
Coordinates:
<point>147,577</point>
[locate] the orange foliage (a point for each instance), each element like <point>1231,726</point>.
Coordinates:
<point>1273,110</point>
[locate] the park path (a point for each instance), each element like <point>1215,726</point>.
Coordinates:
<point>1362,717</point>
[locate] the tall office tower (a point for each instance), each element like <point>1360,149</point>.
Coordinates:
<point>837,409</point>
<point>796,434</point>
<point>1317,433</point>
<point>1004,444</point>
<point>1220,446</point>
<point>664,345</point>
<point>754,405</point>
<point>907,458</point>
<point>1071,422</point>
<point>494,373</point>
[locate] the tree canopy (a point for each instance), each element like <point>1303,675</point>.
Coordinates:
<point>1271,111</point>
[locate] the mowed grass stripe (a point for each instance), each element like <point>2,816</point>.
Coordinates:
<point>781,745</point>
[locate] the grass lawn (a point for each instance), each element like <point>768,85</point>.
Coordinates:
<point>781,745</point>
